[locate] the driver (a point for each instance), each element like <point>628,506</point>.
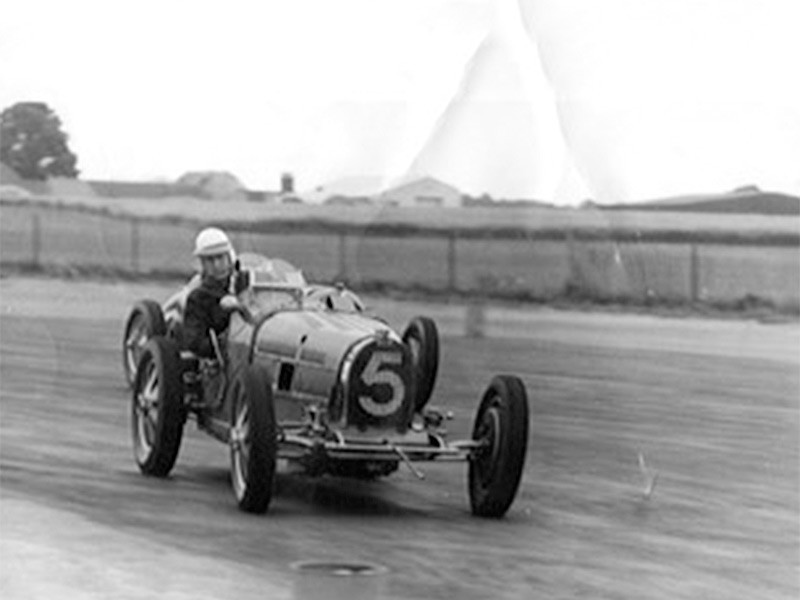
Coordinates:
<point>209,306</point>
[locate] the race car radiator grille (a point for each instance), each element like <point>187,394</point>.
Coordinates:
<point>378,386</point>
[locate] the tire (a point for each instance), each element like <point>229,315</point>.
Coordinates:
<point>145,321</point>
<point>495,471</point>
<point>422,339</point>
<point>253,440</point>
<point>157,413</point>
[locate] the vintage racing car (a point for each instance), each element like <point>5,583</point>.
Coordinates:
<point>306,374</point>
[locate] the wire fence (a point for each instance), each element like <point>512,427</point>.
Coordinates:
<point>620,268</point>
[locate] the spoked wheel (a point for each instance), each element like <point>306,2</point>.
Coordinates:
<point>253,441</point>
<point>422,339</point>
<point>157,414</point>
<point>501,425</point>
<point>145,321</point>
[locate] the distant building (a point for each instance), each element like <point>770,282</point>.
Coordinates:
<point>141,189</point>
<point>287,183</point>
<point>262,196</point>
<point>423,192</point>
<point>359,187</point>
<point>70,186</point>
<point>214,185</point>
<point>366,190</point>
<point>9,177</point>
<point>348,201</point>
<point>218,185</point>
<point>87,188</point>
<point>286,194</point>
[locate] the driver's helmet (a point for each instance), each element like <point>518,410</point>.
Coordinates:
<point>212,241</point>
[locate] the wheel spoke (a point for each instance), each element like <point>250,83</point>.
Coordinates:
<point>243,418</point>
<point>132,340</point>
<point>145,430</point>
<point>146,410</point>
<point>241,428</point>
<point>235,438</point>
<point>150,425</point>
<point>240,451</point>
<point>137,338</point>
<point>142,406</point>
<point>150,392</point>
<point>237,435</point>
<point>239,474</point>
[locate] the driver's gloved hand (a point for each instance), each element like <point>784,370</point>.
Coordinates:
<point>241,281</point>
<point>229,302</point>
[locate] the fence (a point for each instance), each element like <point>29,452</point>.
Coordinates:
<point>523,266</point>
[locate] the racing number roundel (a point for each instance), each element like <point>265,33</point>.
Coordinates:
<point>382,388</point>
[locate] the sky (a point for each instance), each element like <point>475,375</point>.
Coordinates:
<point>554,100</point>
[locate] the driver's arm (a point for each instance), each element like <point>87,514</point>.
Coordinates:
<point>231,304</point>
<point>197,320</point>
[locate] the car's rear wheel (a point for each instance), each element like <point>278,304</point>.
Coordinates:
<point>422,339</point>
<point>157,414</point>
<point>253,440</point>
<point>145,321</point>
<point>501,425</point>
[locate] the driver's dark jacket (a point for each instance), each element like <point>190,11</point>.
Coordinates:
<point>202,313</point>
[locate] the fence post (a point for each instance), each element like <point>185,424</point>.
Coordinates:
<point>451,262</point>
<point>342,276</point>
<point>694,273</point>
<point>574,283</point>
<point>36,239</point>
<point>135,244</point>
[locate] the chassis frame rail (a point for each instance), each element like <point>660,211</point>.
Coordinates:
<point>384,450</point>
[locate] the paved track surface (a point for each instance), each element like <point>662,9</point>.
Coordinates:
<point>713,406</point>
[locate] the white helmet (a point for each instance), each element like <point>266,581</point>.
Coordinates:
<point>212,241</point>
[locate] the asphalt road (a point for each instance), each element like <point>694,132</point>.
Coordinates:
<point>712,406</point>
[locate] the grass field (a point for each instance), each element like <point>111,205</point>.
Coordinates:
<point>530,267</point>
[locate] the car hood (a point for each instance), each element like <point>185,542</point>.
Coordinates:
<point>319,337</point>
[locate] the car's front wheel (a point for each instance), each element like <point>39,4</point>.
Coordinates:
<point>422,339</point>
<point>501,427</point>
<point>253,440</point>
<point>157,414</point>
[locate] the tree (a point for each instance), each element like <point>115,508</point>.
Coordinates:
<point>32,143</point>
